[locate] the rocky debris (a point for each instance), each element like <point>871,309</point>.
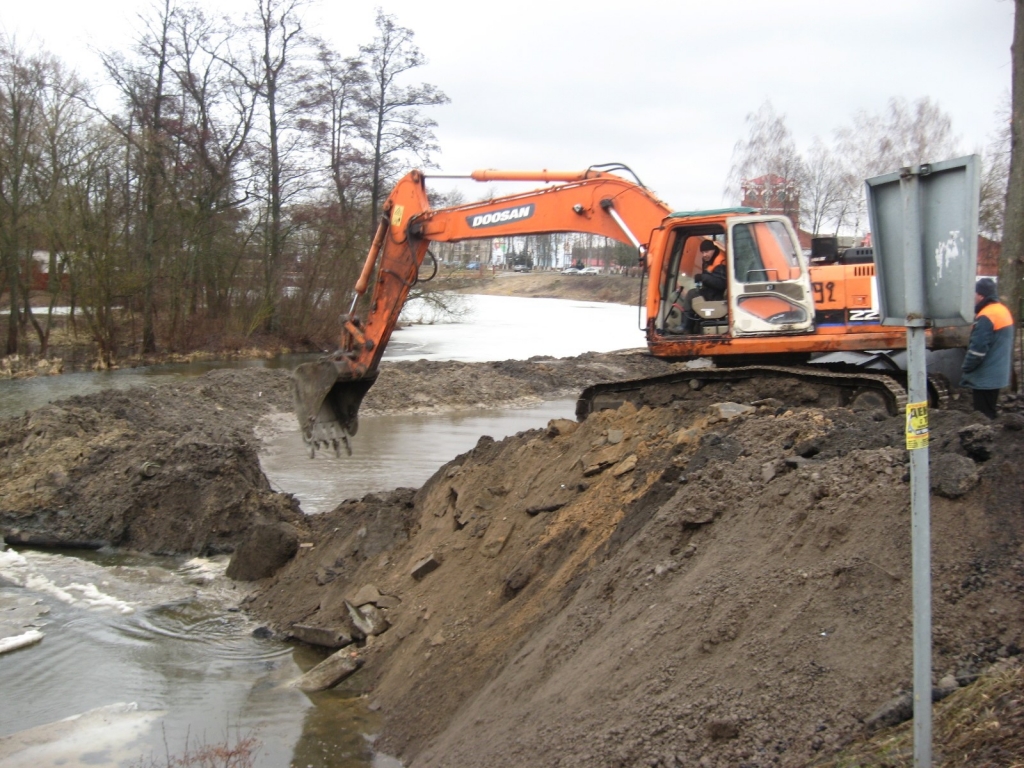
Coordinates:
<point>977,440</point>
<point>329,672</point>
<point>265,549</point>
<point>326,637</point>
<point>366,594</point>
<point>952,475</point>
<point>368,620</point>
<point>729,411</point>
<point>427,565</point>
<point>739,596</point>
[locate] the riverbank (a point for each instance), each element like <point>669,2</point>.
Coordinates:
<point>687,583</point>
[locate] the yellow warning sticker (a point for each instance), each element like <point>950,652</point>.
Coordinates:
<point>917,425</point>
<point>396,215</point>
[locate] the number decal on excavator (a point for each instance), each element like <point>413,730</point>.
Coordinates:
<point>863,315</point>
<point>820,289</point>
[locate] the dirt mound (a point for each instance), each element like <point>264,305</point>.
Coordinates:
<point>160,469</point>
<point>678,585</point>
<point>174,468</point>
<point>433,385</point>
<point>615,289</point>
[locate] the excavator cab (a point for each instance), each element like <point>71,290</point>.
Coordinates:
<point>769,289</point>
<point>770,285</point>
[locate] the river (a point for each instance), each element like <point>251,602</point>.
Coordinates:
<point>158,638</point>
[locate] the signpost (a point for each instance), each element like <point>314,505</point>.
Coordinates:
<point>924,224</point>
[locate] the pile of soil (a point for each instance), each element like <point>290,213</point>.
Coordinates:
<point>175,468</point>
<point>616,289</point>
<point>689,584</point>
<point>163,469</point>
<point>719,579</point>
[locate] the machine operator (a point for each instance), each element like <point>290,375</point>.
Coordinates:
<point>711,282</point>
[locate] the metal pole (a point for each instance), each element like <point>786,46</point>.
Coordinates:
<point>917,445</point>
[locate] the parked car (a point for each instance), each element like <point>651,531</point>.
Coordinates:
<point>473,265</point>
<point>590,271</point>
<point>521,268</point>
<point>570,271</point>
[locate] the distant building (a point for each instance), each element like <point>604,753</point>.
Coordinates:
<point>776,196</point>
<point>988,256</point>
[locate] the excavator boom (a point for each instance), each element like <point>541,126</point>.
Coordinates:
<point>328,392</point>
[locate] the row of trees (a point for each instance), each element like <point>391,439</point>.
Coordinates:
<point>829,177</point>
<point>223,179</point>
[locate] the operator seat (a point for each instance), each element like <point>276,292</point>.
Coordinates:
<point>712,316</point>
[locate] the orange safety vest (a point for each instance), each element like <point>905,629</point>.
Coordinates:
<point>997,314</point>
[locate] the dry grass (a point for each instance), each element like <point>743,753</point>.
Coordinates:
<point>980,726</point>
<point>240,754</point>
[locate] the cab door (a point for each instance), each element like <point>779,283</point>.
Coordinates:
<point>769,282</point>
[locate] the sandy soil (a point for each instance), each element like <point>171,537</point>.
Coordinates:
<point>687,584</point>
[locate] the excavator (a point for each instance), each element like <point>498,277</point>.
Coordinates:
<point>779,313</point>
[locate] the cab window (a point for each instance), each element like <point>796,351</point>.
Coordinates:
<point>764,252</point>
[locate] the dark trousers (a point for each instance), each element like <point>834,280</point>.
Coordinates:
<point>985,401</point>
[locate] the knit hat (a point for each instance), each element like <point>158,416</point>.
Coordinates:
<point>708,246</point>
<point>986,288</point>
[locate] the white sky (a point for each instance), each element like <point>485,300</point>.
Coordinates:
<point>661,86</point>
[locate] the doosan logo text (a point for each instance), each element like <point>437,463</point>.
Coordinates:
<point>503,216</point>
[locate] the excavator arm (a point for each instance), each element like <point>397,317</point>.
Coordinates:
<point>328,392</point>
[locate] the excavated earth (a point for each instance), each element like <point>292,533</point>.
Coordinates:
<point>719,576</point>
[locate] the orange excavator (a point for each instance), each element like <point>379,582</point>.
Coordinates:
<point>777,313</point>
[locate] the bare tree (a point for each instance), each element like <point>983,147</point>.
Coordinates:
<point>215,117</point>
<point>767,151</point>
<point>337,120</point>
<point>64,139</point>
<point>994,176</point>
<point>1010,268</point>
<point>397,129</point>
<point>906,134</point>
<point>22,81</point>
<point>278,51</point>
<point>828,193</point>
<point>143,82</point>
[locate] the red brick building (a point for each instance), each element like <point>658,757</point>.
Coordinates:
<point>777,196</point>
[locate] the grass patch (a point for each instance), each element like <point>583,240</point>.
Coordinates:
<point>979,726</point>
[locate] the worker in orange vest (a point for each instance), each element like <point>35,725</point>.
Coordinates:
<point>711,283</point>
<point>989,358</point>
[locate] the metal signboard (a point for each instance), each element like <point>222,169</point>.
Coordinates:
<point>924,225</point>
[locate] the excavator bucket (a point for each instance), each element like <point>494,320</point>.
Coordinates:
<point>327,399</point>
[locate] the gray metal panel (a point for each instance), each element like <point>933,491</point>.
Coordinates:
<point>948,252</point>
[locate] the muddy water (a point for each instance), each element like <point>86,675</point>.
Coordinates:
<point>391,451</point>
<point>151,637</point>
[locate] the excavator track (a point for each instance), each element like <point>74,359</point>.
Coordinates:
<point>882,390</point>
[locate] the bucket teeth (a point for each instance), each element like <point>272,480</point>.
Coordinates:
<point>327,399</point>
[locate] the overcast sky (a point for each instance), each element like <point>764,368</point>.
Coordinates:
<point>664,87</point>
